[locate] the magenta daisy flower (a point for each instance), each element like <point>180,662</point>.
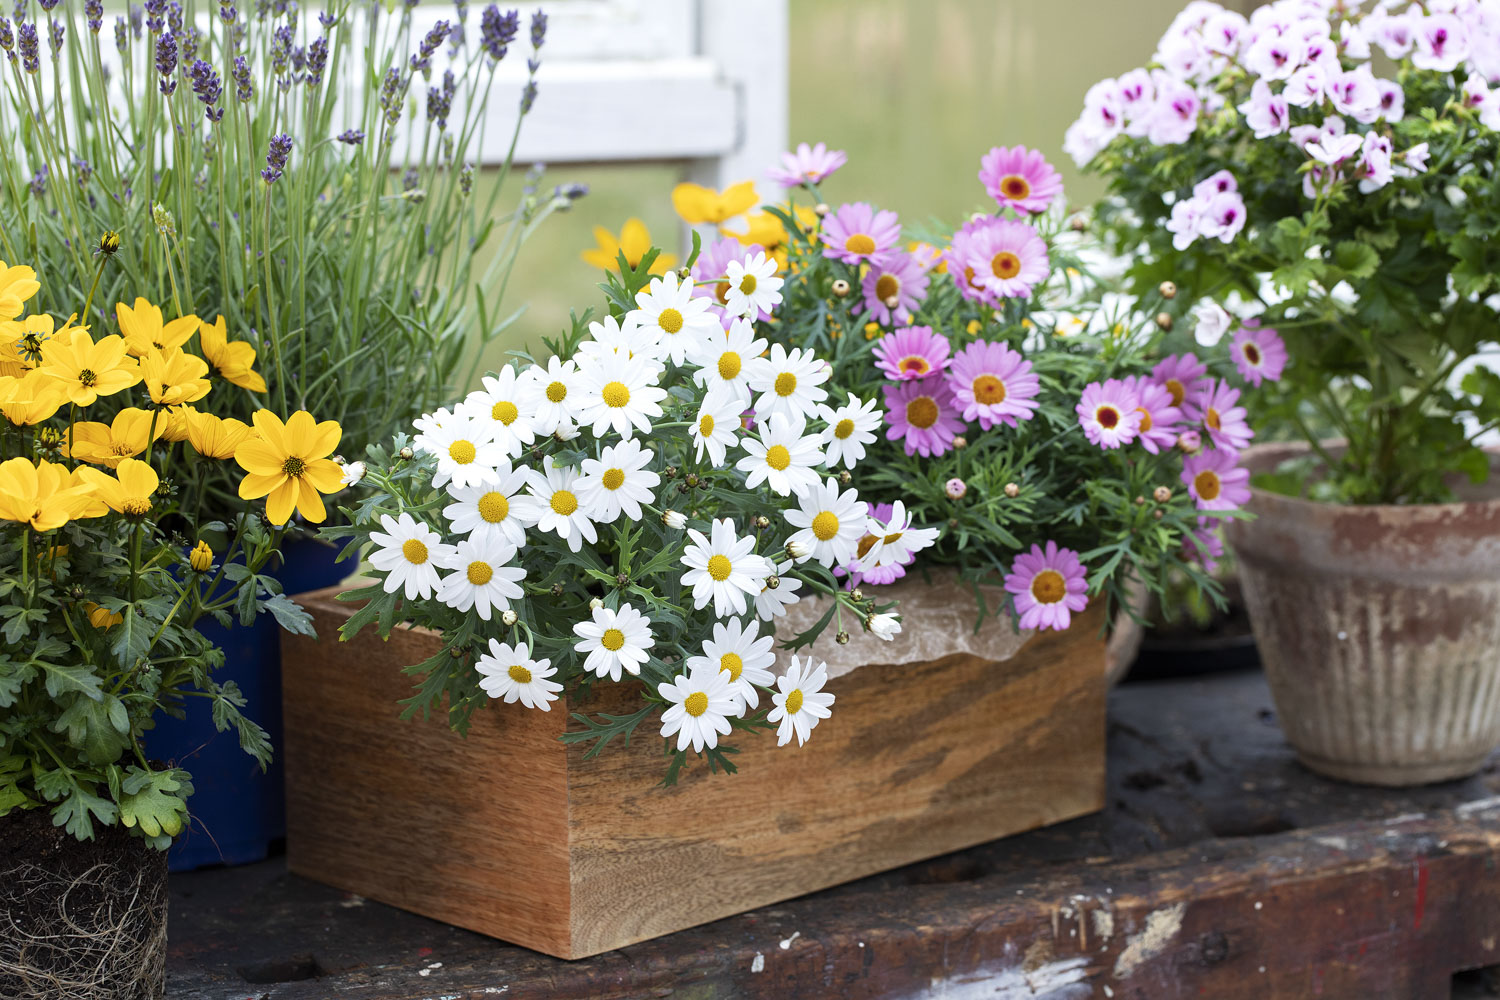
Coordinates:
<point>910,352</point>
<point>1109,413</point>
<point>1204,545</point>
<point>807,165</point>
<point>1183,375</point>
<point>1048,586</point>
<point>962,249</point>
<point>922,416</point>
<point>857,233</point>
<point>894,286</point>
<point>1215,481</point>
<point>993,384</point>
<point>1214,406</point>
<point>1259,353</point>
<point>1004,257</point>
<point>1020,178</point>
<point>1159,418</point>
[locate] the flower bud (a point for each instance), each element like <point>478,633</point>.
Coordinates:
<point>509,617</point>
<point>762,522</point>
<point>673,519</point>
<point>1162,494</point>
<point>1164,320</point>
<point>772,582</point>
<point>353,473</point>
<point>1012,490</point>
<point>857,595</point>
<point>566,432</point>
<point>959,441</point>
<point>1140,501</point>
<point>557,590</point>
<point>798,550</point>
<point>955,488</point>
<point>821,209</point>
<point>1168,290</point>
<point>840,287</point>
<point>201,558</point>
<point>884,626</point>
<point>596,603</point>
<point>892,302</point>
<point>842,638</point>
<point>406,454</point>
<point>845,478</point>
<point>1158,513</point>
<point>1078,224</point>
<point>1189,442</point>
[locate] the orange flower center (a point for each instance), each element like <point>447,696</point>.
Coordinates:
<point>1015,187</point>
<point>1207,484</point>
<point>859,243</point>
<point>1108,417</point>
<point>989,390</point>
<point>1005,264</point>
<point>914,363</point>
<point>1178,391</point>
<point>922,412</point>
<point>1048,586</point>
<point>886,286</point>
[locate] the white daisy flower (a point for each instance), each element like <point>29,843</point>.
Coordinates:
<point>753,287</point>
<point>352,473</point>
<point>429,424</point>
<point>490,512</point>
<point>550,397</point>
<point>618,480</point>
<point>744,655</point>
<point>896,541</point>
<point>466,449</point>
<point>789,383</point>
<point>482,577</point>
<point>714,431</point>
<point>772,602</point>
<point>724,363</point>
<point>501,400</point>
<point>618,394</point>
<point>799,701</point>
<point>850,428</point>
<point>614,640</point>
<point>699,707</point>
<point>610,339</point>
<point>722,568</point>
<point>680,319</point>
<point>885,627</point>
<point>831,523</point>
<point>509,672</point>
<point>408,552</point>
<point>782,457</point>
<point>553,501</point>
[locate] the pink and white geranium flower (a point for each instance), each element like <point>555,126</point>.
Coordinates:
<point>1259,353</point>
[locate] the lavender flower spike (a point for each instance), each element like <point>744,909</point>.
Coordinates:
<point>30,49</point>
<point>351,136</point>
<point>94,11</point>
<point>281,148</point>
<point>497,31</point>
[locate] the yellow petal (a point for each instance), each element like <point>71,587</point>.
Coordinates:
<point>281,502</point>
<point>258,457</point>
<point>325,475</point>
<point>310,504</point>
<point>254,485</point>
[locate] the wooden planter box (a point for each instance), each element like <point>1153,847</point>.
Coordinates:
<point>931,748</point>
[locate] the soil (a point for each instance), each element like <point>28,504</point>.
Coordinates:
<point>80,919</point>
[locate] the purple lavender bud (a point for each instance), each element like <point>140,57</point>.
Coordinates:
<point>39,182</point>
<point>208,88</point>
<point>82,171</point>
<point>533,64</point>
<point>409,179</point>
<point>421,62</point>
<point>156,19</point>
<point>497,31</point>
<point>528,96</point>
<point>456,36</point>
<point>244,90</point>
<point>299,61</point>
<point>281,148</point>
<point>122,35</point>
<point>351,136</point>
<point>317,61</point>
<point>570,192</point>
<point>466,179</point>
<point>7,38</point>
<point>440,101</point>
<point>47,4</point>
<point>228,13</point>
<point>538,28</point>
<point>55,36</point>
<point>281,48</point>
<point>166,54</point>
<point>19,11</point>
<point>174,17</point>
<point>188,40</point>
<point>392,93</point>
<point>26,44</point>
<point>327,20</point>
<point>135,21</point>
<point>94,11</point>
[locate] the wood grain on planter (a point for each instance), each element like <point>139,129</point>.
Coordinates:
<point>512,834</point>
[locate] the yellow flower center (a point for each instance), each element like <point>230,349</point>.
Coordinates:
<point>1145,419</point>
<point>1005,264</point>
<point>294,466</point>
<point>616,394</point>
<point>1015,187</point>
<point>732,663</point>
<point>922,412</point>
<point>696,704</point>
<point>612,639</point>
<point>1178,391</point>
<point>1207,484</point>
<point>414,551</point>
<point>462,452</point>
<point>1211,418</point>
<point>886,285</point>
<point>988,390</point>
<point>1048,586</point>
<point>843,429</point>
<point>519,674</point>
<point>480,573</point>
<point>706,425</point>
<point>556,392</point>
<point>135,507</point>
<point>729,365</point>
<point>786,384</point>
<point>794,701</point>
<point>719,568</point>
<point>825,525</point>
<point>1108,417</point>
<point>777,457</point>
<point>564,502</point>
<point>747,284</point>
<point>122,449</point>
<point>87,378</point>
<point>859,243</point>
<point>866,543</point>
<point>505,411</point>
<point>613,479</point>
<point>494,507</point>
<point>893,537</point>
<point>670,320</point>
<point>914,363</point>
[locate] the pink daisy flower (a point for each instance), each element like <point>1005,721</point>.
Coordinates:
<point>1204,545</point>
<point>910,352</point>
<point>1214,481</point>
<point>1214,406</point>
<point>1048,586</point>
<point>894,286</point>
<point>1259,353</point>
<point>857,233</point>
<point>1182,374</point>
<point>807,165</point>
<point>1159,418</point>
<point>963,248</point>
<point>1020,178</point>
<point>1109,413</point>
<point>711,267</point>
<point>993,384</point>
<point>1003,257</point>
<point>880,575</point>
<point>922,416</point>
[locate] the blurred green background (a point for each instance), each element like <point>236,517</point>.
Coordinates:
<point>914,90</point>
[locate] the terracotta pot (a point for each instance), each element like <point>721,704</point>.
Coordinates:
<point>1379,628</point>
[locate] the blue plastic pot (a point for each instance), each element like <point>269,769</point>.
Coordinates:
<point>237,811</point>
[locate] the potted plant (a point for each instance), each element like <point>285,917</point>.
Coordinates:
<point>106,567</point>
<point>1328,174</point>
<point>285,176</point>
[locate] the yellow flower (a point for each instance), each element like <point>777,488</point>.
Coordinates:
<point>212,437</point>
<point>697,204</point>
<point>125,437</point>
<point>129,490</point>
<point>201,558</point>
<point>144,330</point>
<point>31,399</point>
<point>42,495</point>
<point>233,361</point>
<point>174,377</point>
<point>974,327</point>
<point>635,240</point>
<point>172,425</point>
<point>102,618</point>
<point>289,465</point>
<point>88,370</point>
<point>873,331</point>
<point>17,284</point>
<point>89,505</point>
<point>765,230</point>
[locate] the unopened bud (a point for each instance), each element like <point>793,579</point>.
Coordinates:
<point>798,549</point>
<point>1188,442</point>
<point>557,590</point>
<point>673,519</point>
<point>1164,320</point>
<point>1158,513</point>
<point>844,477</point>
<point>842,638</point>
<point>1168,290</point>
<point>762,522</point>
<point>1162,494</point>
<point>772,582</point>
<point>959,441</point>
<point>509,617</point>
<point>1012,490</point>
<point>892,302</point>
<point>955,488</point>
<point>1078,223</point>
<point>857,595</point>
<point>406,454</point>
<point>840,287</point>
<point>1140,501</point>
<point>821,209</point>
<point>596,603</point>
